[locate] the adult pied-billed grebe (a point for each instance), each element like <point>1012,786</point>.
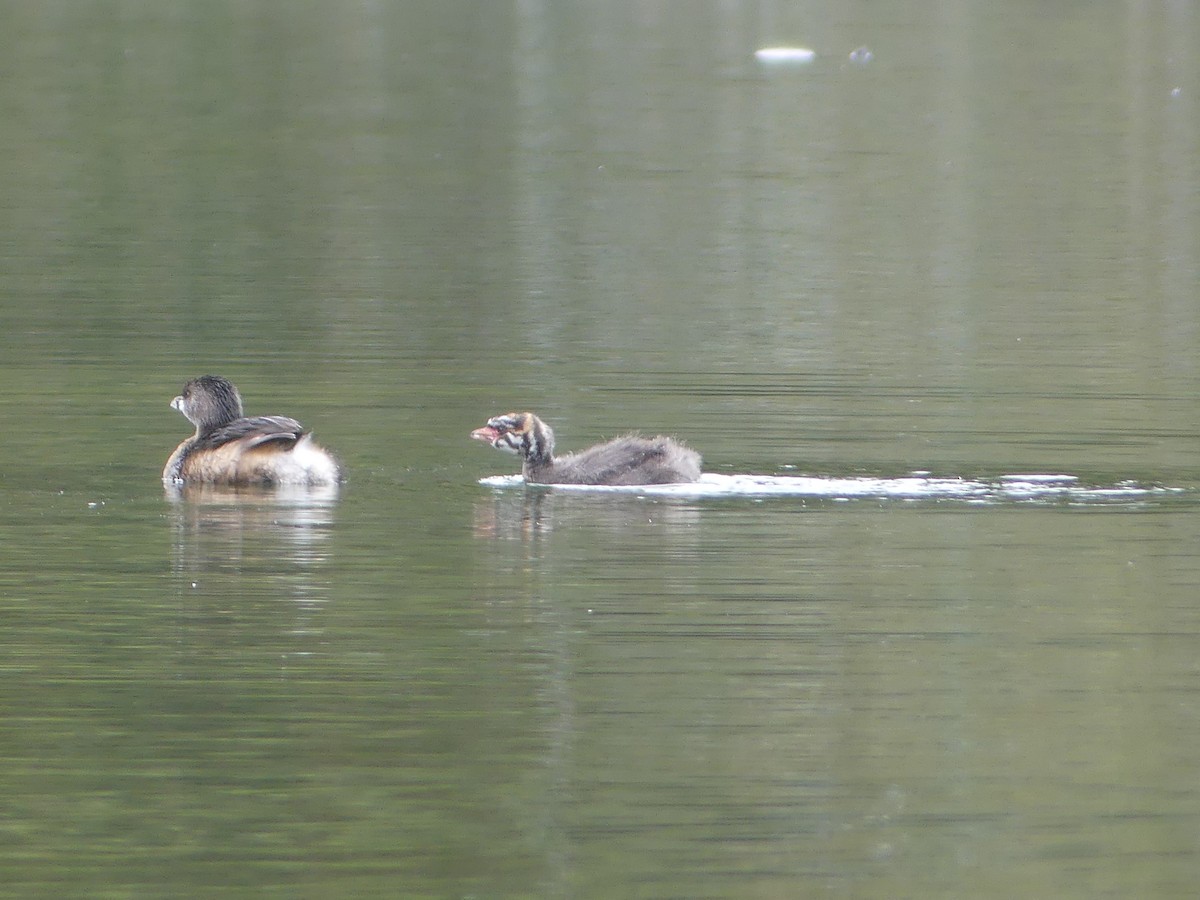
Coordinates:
<point>229,448</point>
<point>626,460</point>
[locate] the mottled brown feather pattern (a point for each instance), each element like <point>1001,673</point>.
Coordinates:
<point>229,448</point>
<point>628,460</point>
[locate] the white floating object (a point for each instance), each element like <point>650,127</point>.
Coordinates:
<point>1040,479</point>
<point>785,55</point>
<point>1006,488</point>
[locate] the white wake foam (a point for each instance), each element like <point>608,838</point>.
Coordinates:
<point>917,486</point>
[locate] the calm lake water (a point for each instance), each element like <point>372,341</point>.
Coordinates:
<point>971,252</point>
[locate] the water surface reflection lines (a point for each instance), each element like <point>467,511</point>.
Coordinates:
<point>530,514</point>
<point>240,551</point>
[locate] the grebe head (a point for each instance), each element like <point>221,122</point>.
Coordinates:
<point>521,433</point>
<point>209,402</point>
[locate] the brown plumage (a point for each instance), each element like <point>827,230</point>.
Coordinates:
<point>627,460</point>
<point>230,448</point>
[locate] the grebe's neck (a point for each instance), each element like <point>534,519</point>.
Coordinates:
<point>537,443</point>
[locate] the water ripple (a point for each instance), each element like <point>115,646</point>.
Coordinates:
<point>916,486</point>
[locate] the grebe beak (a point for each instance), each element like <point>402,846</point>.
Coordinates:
<point>177,403</point>
<point>486,433</point>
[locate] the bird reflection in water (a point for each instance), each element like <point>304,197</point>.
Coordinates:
<point>239,553</point>
<point>512,515</point>
<point>531,512</point>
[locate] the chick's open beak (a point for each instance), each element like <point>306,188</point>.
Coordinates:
<point>486,433</point>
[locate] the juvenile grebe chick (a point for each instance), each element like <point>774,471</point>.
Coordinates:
<point>231,449</point>
<point>627,460</point>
